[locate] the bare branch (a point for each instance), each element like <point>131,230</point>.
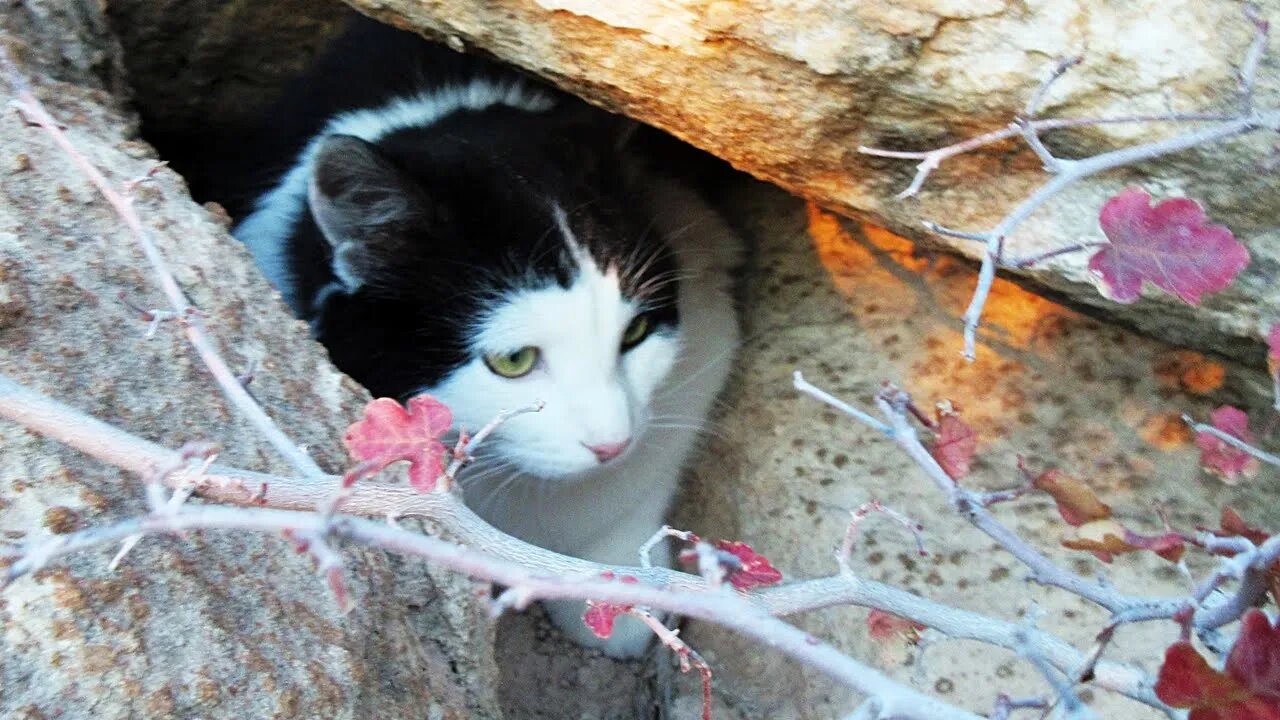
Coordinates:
<point>1231,440</point>
<point>193,324</point>
<point>855,521</point>
<point>462,452</point>
<point>722,608</point>
<point>932,159</point>
<point>1005,706</point>
<point>689,658</point>
<point>1253,56</point>
<point>664,532</point>
<point>811,390</point>
<point>447,513</point>
<point>1065,173</point>
<point>1047,160</point>
<point>1079,170</point>
<point>1037,98</point>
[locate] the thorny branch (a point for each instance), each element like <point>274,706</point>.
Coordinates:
<point>1065,172</point>
<point>192,321</point>
<point>447,513</point>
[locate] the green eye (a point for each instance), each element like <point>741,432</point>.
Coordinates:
<point>636,332</point>
<point>515,364</point>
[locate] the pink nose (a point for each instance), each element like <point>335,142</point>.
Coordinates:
<point>605,452</point>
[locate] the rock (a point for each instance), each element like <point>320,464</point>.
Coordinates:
<point>860,306</point>
<point>217,624</point>
<point>788,89</point>
<point>782,90</point>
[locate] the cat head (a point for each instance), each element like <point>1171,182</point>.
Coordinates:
<point>495,275</point>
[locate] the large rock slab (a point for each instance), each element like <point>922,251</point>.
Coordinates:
<point>217,625</point>
<point>788,89</point>
<point>851,305</point>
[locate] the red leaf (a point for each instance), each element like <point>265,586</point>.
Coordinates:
<point>1234,525</point>
<point>1217,456</point>
<point>754,569</point>
<point>1169,245</point>
<point>887,626</point>
<point>1169,546</point>
<point>599,616</point>
<point>1106,538</point>
<point>1255,658</point>
<point>389,433</point>
<point>955,446</point>
<point>1249,689</point>
<point>1076,502</point>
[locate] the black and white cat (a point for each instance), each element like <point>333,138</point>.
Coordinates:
<point>451,227</point>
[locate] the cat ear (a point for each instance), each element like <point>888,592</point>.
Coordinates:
<point>365,206</point>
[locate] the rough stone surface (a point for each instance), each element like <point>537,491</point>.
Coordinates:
<point>851,305</point>
<point>848,304</point>
<point>788,89</point>
<point>216,625</point>
<point>195,64</point>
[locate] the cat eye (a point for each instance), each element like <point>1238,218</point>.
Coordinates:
<point>514,364</point>
<point>637,330</point>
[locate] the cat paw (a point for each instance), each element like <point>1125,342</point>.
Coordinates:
<point>630,639</point>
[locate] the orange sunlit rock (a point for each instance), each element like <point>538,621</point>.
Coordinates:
<point>866,272</point>
<point>897,247</point>
<point>1189,371</point>
<point>1165,431</point>
<point>1014,316</point>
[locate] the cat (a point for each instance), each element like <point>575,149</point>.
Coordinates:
<point>452,227</point>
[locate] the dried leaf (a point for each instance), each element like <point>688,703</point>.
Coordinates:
<point>887,626</point>
<point>1218,456</point>
<point>1247,689</point>
<point>600,616</point>
<point>955,445</point>
<point>1107,538</point>
<point>1170,246</point>
<point>753,570</point>
<point>1076,501</point>
<point>390,432</point>
<point>1234,525</point>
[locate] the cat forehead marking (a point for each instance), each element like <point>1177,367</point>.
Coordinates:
<point>587,315</point>
<point>579,252</point>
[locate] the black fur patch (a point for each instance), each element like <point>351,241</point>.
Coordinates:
<point>490,181</point>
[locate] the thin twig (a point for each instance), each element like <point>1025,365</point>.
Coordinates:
<point>1027,262</point>
<point>689,658</point>
<point>1231,440</point>
<point>1074,707</point>
<point>804,386</point>
<point>1037,98</point>
<point>462,453</point>
<point>930,160</point>
<point>193,324</point>
<point>664,532</point>
<point>856,517</point>
<point>1253,56</point>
